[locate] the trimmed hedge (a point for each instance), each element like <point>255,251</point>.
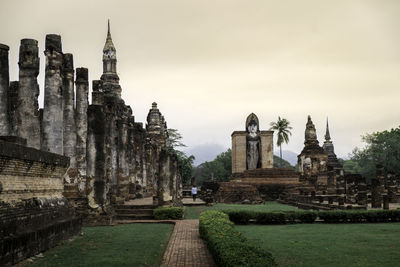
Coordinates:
<point>227,245</point>
<point>281,217</point>
<point>334,216</point>
<point>360,216</point>
<point>165,213</point>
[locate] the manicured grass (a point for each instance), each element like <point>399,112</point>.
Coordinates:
<point>329,244</point>
<point>193,212</point>
<point>121,245</point>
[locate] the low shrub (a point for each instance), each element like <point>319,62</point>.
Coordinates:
<point>165,213</point>
<point>227,245</point>
<point>336,216</point>
<point>276,217</point>
<point>333,216</point>
<point>271,218</point>
<point>307,216</point>
<point>240,216</point>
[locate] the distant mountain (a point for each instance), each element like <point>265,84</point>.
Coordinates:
<point>288,156</point>
<point>205,152</point>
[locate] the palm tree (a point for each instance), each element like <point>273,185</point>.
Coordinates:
<point>283,131</point>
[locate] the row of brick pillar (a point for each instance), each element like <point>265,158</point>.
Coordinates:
<point>61,126</point>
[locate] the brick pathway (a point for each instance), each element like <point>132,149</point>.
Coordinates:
<point>186,248</point>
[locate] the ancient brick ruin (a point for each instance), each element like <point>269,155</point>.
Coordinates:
<point>81,159</point>
<point>253,182</point>
<point>325,185</point>
<point>320,182</point>
<point>34,214</point>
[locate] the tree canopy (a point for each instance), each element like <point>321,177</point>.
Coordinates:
<point>220,168</point>
<point>381,148</point>
<point>185,162</point>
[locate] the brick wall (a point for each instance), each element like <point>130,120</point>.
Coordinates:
<point>34,215</point>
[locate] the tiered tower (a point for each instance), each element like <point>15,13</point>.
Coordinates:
<point>329,149</point>
<point>110,77</point>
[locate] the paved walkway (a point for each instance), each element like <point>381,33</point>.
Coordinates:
<point>189,202</point>
<point>186,248</point>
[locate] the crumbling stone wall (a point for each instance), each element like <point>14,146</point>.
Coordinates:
<point>112,157</point>
<point>34,215</point>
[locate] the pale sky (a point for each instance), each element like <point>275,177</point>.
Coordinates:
<point>208,64</point>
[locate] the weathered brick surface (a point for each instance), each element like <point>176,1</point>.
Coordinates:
<point>34,215</point>
<point>34,226</point>
<point>186,248</point>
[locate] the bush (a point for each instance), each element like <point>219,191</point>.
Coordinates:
<point>332,216</point>
<point>283,217</point>
<point>335,216</point>
<point>165,213</point>
<point>307,216</point>
<point>271,218</point>
<point>240,216</point>
<point>227,245</point>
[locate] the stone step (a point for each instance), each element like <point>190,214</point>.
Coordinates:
<point>134,217</point>
<point>135,207</point>
<point>134,211</point>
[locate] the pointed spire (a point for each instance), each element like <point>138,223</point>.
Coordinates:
<point>109,32</point>
<point>327,134</point>
<point>109,43</point>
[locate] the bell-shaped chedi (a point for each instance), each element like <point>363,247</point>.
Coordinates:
<point>312,159</point>
<point>310,138</point>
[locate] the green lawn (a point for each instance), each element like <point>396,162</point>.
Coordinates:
<point>121,245</point>
<point>193,212</point>
<point>329,244</point>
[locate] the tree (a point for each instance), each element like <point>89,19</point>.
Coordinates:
<point>282,163</point>
<point>174,139</point>
<point>220,168</point>
<point>283,131</point>
<point>185,162</point>
<point>381,148</point>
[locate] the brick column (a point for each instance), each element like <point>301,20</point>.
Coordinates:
<point>4,83</point>
<point>69,129</point>
<point>82,103</point>
<point>52,123</point>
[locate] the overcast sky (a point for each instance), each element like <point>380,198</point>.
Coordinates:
<point>208,64</point>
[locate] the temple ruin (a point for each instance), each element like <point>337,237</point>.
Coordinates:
<point>75,159</point>
<point>319,183</point>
